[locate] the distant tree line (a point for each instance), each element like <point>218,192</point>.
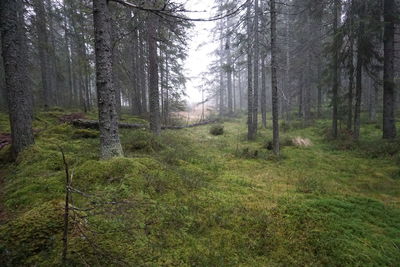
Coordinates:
<point>331,57</point>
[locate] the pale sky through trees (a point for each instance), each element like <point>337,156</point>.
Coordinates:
<point>201,47</point>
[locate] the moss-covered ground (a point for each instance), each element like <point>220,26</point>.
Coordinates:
<point>190,198</point>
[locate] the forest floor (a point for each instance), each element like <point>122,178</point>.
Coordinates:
<point>189,198</point>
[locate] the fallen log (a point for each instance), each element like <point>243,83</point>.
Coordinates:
<point>92,124</point>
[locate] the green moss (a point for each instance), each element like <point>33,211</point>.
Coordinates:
<point>327,231</point>
<point>31,237</point>
<point>186,199</point>
<point>85,133</point>
<point>115,170</point>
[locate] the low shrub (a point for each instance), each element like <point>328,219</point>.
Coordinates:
<point>217,129</point>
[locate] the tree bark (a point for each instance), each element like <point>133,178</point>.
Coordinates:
<point>250,129</point>
<point>351,71</point>
<point>263,93</point>
<point>229,69</point>
<point>335,81</point>
<point>19,94</point>
<point>155,121</point>
<point>110,145</point>
<point>359,70</point>
<point>256,67</point>
<point>274,82</point>
<point>389,120</point>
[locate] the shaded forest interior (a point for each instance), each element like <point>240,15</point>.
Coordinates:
<point>292,156</point>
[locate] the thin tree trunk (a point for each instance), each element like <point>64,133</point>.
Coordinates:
<point>221,77</point>
<point>389,120</point>
<point>19,94</point>
<point>263,93</point>
<point>110,145</point>
<point>142,71</point>
<point>335,88</point>
<point>229,70</point>
<point>351,72</point>
<point>274,82</point>
<point>250,129</point>
<point>359,68</point>
<point>155,122</point>
<point>256,67</point>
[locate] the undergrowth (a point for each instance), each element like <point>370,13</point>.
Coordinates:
<point>190,198</point>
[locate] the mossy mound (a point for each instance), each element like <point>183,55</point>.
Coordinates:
<point>31,237</point>
<point>103,172</point>
<point>217,129</point>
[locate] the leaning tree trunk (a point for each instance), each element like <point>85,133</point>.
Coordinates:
<point>154,96</point>
<point>389,121</point>
<point>19,94</point>
<point>250,100</point>
<point>110,145</point>
<point>274,82</point>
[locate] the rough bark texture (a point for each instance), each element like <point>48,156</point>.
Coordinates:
<point>274,82</point>
<point>154,96</point>
<point>110,145</point>
<point>389,120</point>
<point>19,93</point>
<point>250,129</point>
<point>335,81</point>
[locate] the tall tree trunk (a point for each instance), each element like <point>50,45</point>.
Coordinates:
<point>166,106</point>
<point>110,145</point>
<point>256,67</point>
<point>240,90</point>
<point>69,85</point>
<point>351,71</point>
<point>155,122</point>
<point>389,120</point>
<point>274,82</point>
<point>359,70</point>
<point>142,72</point>
<point>43,50</point>
<point>250,100</point>
<point>263,92</point>
<point>335,81</point>
<point>19,94</point>
<point>229,69</point>
<point>115,78</point>
<point>221,76</point>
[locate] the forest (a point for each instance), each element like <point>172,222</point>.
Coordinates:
<point>199,133</point>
